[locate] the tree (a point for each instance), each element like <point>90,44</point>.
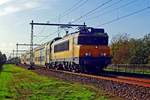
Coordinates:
<point>142,50</point>
<point>127,50</point>
<point>120,49</point>
<point>15,60</point>
<point>138,53</point>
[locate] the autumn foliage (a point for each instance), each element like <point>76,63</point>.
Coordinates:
<point>127,50</point>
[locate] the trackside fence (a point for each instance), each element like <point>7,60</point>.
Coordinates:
<point>130,68</point>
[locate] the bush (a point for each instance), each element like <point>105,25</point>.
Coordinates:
<point>15,60</point>
<point>2,60</point>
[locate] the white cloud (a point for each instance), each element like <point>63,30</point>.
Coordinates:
<point>10,44</point>
<point>18,6</point>
<point>4,1</point>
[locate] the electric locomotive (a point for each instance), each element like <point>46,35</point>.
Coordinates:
<point>86,50</point>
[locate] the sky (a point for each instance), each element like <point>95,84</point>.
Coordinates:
<point>15,16</point>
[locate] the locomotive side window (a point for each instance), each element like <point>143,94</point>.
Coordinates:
<point>63,46</point>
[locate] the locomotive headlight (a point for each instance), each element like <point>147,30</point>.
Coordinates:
<point>103,54</point>
<point>87,54</point>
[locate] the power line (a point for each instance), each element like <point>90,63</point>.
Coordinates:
<point>42,30</point>
<point>103,4</point>
<point>47,36</point>
<point>68,10</point>
<point>115,3</point>
<point>101,10</point>
<point>119,18</point>
<point>75,7</point>
<point>104,13</point>
<point>64,14</point>
<point>83,3</point>
<point>40,36</point>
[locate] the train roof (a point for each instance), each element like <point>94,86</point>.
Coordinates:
<point>47,43</point>
<point>82,30</point>
<point>88,30</point>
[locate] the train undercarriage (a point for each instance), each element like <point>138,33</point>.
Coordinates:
<point>83,65</point>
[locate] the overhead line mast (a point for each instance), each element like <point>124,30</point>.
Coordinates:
<point>22,44</point>
<point>17,51</point>
<point>31,48</point>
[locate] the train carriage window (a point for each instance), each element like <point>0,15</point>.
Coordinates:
<point>63,46</point>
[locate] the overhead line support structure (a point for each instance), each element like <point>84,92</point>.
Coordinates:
<point>22,51</point>
<point>48,24</point>
<point>57,24</point>
<point>22,44</point>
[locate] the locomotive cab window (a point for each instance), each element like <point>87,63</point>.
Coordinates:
<point>63,46</point>
<point>93,40</point>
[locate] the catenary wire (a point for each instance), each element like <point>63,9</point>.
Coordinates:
<point>75,8</point>
<point>101,10</point>
<point>70,9</point>
<point>107,12</point>
<point>101,5</point>
<point>122,17</point>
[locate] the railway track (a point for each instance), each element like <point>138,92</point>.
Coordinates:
<point>122,79</point>
<point>130,88</point>
<point>117,78</point>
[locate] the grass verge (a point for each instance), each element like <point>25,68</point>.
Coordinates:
<point>19,84</point>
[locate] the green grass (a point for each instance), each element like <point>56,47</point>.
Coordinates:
<point>19,84</point>
<point>5,77</point>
